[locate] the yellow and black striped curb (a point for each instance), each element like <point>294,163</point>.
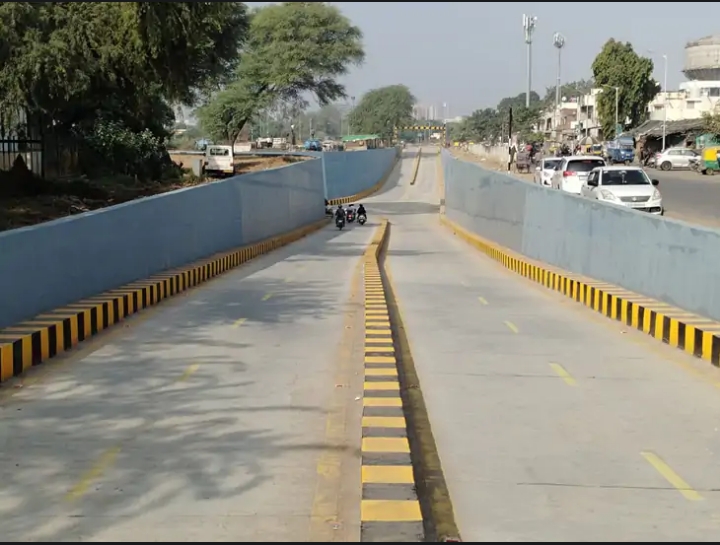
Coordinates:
<point>684,330</point>
<point>363,194</point>
<point>416,167</point>
<point>389,499</point>
<point>54,332</point>
<point>404,493</point>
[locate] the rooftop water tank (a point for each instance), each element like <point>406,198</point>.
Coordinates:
<point>702,59</point>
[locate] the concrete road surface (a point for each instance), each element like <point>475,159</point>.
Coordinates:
<point>552,423</point>
<point>201,420</point>
<point>690,196</point>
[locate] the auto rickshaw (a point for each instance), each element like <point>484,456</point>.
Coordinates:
<point>709,160</point>
<point>595,149</point>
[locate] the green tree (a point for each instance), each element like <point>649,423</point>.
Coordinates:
<point>68,59</point>
<point>483,125</point>
<point>87,69</point>
<point>619,66</point>
<point>381,110</point>
<point>293,49</point>
<point>518,102</point>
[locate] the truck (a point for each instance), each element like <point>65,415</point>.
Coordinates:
<point>620,150</point>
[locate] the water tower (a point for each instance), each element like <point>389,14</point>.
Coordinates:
<point>702,59</point>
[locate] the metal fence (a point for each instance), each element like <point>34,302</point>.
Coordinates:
<point>36,143</point>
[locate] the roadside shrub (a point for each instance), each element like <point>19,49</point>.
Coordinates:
<point>112,148</point>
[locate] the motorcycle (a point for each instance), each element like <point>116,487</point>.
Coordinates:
<point>362,218</point>
<point>340,222</point>
<point>350,215</point>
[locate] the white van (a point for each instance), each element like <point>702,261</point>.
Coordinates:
<point>219,160</point>
<point>572,173</point>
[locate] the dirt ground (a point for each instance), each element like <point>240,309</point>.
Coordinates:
<point>489,163</point>
<point>244,165</point>
<point>60,199</point>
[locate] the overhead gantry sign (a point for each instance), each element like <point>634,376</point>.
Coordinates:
<point>416,128</point>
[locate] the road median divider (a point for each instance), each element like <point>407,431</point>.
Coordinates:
<point>694,334</point>
<point>52,333</point>
<point>404,497</point>
<point>416,167</point>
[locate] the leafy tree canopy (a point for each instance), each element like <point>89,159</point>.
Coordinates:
<point>73,60</point>
<point>105,74</point>
<point>381,110</point>
<point>490,124</point>
<point>293,49</point>
<point>618,65</point>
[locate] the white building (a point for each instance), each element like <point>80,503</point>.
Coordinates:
<point>577,117</point>
<point>690,102</point>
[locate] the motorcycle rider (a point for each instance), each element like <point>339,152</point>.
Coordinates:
<point>361,211</point>
<point>340,212</point>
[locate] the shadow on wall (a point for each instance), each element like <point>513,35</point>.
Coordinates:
<point>666,259</point>
<point>63,261</point>
<point>352,172</point>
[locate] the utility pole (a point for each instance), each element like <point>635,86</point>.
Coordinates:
<point>665,97</point>
<point>529,28</point>
<point>617,112</point>
<point>559,43</point>
<point>352,99</point>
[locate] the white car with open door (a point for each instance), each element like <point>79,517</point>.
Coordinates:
<point>624,186</point>
<point>573,171</point>
<point>544,171</point>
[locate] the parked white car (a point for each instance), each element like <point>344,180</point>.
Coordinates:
<point>674,158</point>
<point>573,172</point>
<point>544,172</point>
<point>625,186</point>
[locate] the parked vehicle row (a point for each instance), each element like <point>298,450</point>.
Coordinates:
<point>591,177</point>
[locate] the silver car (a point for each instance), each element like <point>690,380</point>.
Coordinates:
<point>674,158</point>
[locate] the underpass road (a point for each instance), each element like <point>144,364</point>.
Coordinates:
<point>552,423</point>
<point>201,420</point>
<point>690,196</point>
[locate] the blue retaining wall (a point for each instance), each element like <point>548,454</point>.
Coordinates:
<point>665,259</point>
<point>352,172</point>
<point>59,262</point>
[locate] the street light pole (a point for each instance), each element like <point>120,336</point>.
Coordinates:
<point>617,111</point>
<point>665,97</point>
<point>559,43</point>
<point>529,28</point>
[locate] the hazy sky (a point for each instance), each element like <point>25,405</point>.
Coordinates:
<point>472,54</point>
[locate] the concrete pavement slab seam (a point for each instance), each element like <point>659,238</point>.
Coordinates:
<point>678,328</point>
<point>391,507</point>
<point>363,194</point>
<point>416,167</point>
<point>30,343</point>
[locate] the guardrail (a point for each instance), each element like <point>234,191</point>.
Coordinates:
<point>659,257</point>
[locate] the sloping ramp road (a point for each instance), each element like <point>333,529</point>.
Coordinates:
<point>552,423</point>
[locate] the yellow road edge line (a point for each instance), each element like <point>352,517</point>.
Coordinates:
<point>334,464</point>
